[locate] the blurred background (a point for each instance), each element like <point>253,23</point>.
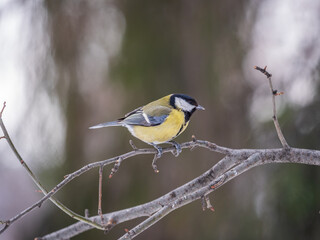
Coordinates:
<point>67,65</point>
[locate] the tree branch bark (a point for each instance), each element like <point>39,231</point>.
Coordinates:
<point>238,162</point>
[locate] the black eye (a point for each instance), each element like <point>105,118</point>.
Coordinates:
<point>192,102</point>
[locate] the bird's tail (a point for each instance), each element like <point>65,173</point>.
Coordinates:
<point>107,124</point>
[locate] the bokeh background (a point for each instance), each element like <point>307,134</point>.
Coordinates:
<point>67,65</point>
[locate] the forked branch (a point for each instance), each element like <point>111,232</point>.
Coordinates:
<point>225,170</point>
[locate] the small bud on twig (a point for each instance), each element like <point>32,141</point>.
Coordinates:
<point>264,71</point>
<point>276,93</point>
<point>193,140</point>
<point>115,167</point>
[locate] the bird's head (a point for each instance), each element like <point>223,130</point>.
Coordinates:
<point>185,103</point>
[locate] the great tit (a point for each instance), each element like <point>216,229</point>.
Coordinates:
<point>159,121</point>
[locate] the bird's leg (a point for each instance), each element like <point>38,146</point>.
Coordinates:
<point>177,146</point>
<point>156,156</point>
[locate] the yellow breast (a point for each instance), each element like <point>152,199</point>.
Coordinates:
<point>173,126</point>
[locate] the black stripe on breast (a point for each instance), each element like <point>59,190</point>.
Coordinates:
<point>187,116</point>
<point>180,129</point>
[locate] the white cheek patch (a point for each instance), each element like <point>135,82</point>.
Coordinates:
<point>183,104</point>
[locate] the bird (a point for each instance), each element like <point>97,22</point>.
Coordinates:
<point>159,121</point>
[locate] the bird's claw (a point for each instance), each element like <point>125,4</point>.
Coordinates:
<point>154,166</point>
<point>159,153</point>
<point>178,149</point>
<point>156,156</point>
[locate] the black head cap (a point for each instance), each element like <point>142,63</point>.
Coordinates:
<point>187,98</point>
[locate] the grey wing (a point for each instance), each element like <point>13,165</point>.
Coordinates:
<point>132,112</point>
<point>139,118</point>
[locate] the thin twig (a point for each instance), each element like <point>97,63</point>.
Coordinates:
<point>100,195</point>
<point>6,225</point>
<point>274,117</point>
<point>206,204</point>
<point>132,145</point>
<point>86,213</point>
<point>3,107</point>
<point>154,165</point>
<point>203,203</point>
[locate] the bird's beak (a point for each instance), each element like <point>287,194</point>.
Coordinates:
<point>199,107</point>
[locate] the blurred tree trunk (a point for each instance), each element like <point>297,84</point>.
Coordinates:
<point>68,22</point>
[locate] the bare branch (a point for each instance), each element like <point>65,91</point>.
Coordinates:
<point>225,170</point>
<point>37,182</point>
<point>274,117</point>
